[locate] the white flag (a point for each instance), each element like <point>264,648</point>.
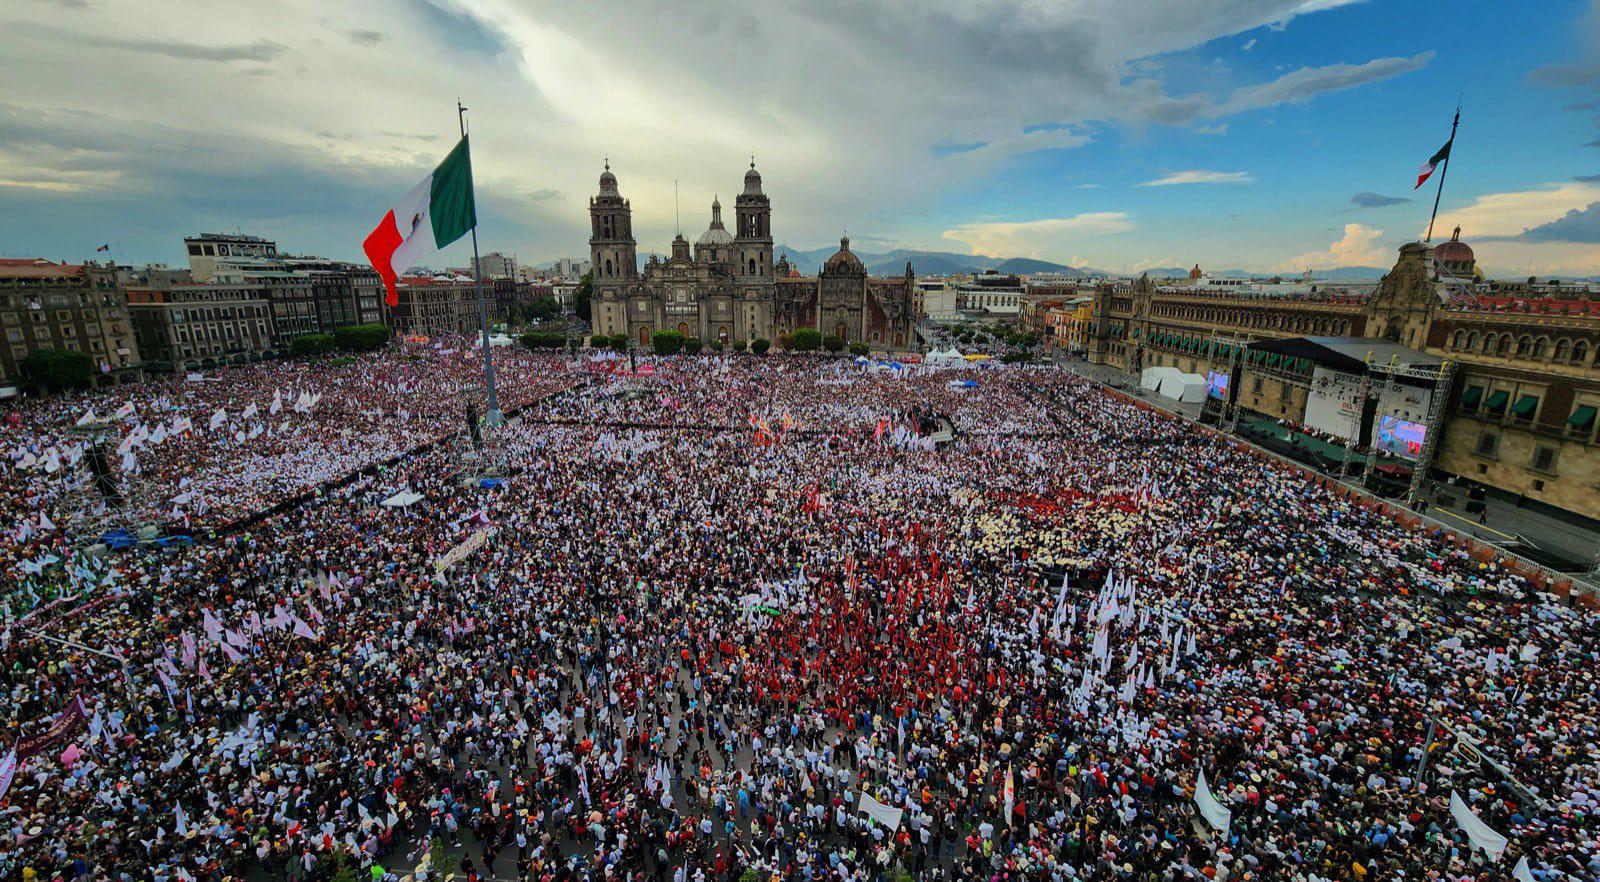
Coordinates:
<point>8,770</point>
<point>218,418</point>
<point>277,403</point>
<point>249,412</point>
<point>1478,833</point>
<point>1520,872</point>
<point>87,418</point>
<point>1215,813</point>
<point>877,811</point>
<point>303,629</point>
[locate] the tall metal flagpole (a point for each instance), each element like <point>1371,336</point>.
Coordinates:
<point>1444,171</point>
<point>494,416</point>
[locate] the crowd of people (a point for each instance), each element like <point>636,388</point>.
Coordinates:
<point>716,622</point>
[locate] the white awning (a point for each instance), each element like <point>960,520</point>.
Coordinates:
<point>402,499</point>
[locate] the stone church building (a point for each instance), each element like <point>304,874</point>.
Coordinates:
<point>726,286</point>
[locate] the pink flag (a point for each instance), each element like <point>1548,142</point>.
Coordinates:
<point>232,654</point>
<point>303,629</point>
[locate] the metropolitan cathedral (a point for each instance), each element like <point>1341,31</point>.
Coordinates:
<point>728,288</point>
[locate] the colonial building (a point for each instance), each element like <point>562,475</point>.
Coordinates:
<point>188,327</point>
<point>1521,412</point>
<point>726,286</point>
<point>45,305</point>
<point>431,307</point>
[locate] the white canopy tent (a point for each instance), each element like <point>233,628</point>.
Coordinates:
<point>948,358</point>
<point>1187,388</point>
<point>402,499</point>
<point>1151,379</point>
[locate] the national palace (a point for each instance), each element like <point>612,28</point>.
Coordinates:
<point>1525,385</point>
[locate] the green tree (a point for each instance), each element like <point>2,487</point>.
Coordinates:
<point>359,338</point>
<point>832,343</point>
<point>739,345</point>
<point>620,342</point>
<point>582,298</point>
<point>760,345</point>
<point>858,349</point>
<point>311,344</point>
<point>786,342</point>
<point>666,342</point>
<point>691,346</point>
<point>56,369</point>
<point>1017,357</point>
<point>599,341</point>
<point>806,340</point>
<point>716,345</point>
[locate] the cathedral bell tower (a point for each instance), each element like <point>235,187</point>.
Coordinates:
<point>612,254</point>
<point>753,242</point>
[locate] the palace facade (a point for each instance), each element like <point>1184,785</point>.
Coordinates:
<point>1521,416</point>
<point>726,287</point>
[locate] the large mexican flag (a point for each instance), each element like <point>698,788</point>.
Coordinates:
<point>437,211</point>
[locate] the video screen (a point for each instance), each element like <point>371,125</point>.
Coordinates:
<point>1217,385</point>
<point>1401,437</point>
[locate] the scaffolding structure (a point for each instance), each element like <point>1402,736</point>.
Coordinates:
<point>89,516</point>
<point>477,448</point>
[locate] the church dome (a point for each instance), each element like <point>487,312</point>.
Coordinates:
<point>752,181</point>
<point>716,234</point>
<point>1454,251</point>
<point>608,181</point>
<point>843,260</point>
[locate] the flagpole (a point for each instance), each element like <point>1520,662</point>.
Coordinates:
<point>1442,172</point>
<point>493,417</point>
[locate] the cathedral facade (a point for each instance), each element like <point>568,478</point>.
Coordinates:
<point>727,287</point>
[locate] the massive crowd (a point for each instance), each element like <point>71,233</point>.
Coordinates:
<point>730,618</point>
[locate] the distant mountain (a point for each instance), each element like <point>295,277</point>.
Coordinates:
<point>1351,273</point>
<point>924,263</point>
<point>1026,265</point>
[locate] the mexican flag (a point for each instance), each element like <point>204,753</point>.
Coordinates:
<point>1434,162</point>
<point>437,211</point>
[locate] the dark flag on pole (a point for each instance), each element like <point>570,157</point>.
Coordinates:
<point>1439,160</point>
<point>105,247</point>
<point>1434,162</point>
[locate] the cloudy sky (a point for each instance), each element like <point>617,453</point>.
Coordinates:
<point>1260,134</point>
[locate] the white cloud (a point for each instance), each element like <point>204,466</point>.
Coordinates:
<point>1299,86</point>
<point>1510,213</point>
<point>837,99</point>
<point>1249,44</point>
<point>1199,176</point>
<point>1361,245</point>
<point>1046,238</point>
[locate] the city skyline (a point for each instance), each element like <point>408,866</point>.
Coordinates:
<point>1270,136</point>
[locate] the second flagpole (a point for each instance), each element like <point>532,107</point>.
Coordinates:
<point>1442,172</point>
<point>494,416</point>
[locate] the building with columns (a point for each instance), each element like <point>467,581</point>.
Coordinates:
<point>726,287</point>
<point>1521,413</point>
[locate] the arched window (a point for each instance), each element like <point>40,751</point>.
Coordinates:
<point>1524,346</point>
<point>752,266</point>
<point>1489,341</point>
<point>1504,347</point>
<point>1580,351</point>
<point>608,266</point>
<point>1563,349</point>
<point>1457,339</point>
<point>1541,347</point>
<point>1472,341</point>
<point>644,336</point>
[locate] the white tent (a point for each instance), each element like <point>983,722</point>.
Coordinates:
<point>948,358</point>
<point>1187,388</point>
<point>1152,378</point>
<point>402,499</point>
